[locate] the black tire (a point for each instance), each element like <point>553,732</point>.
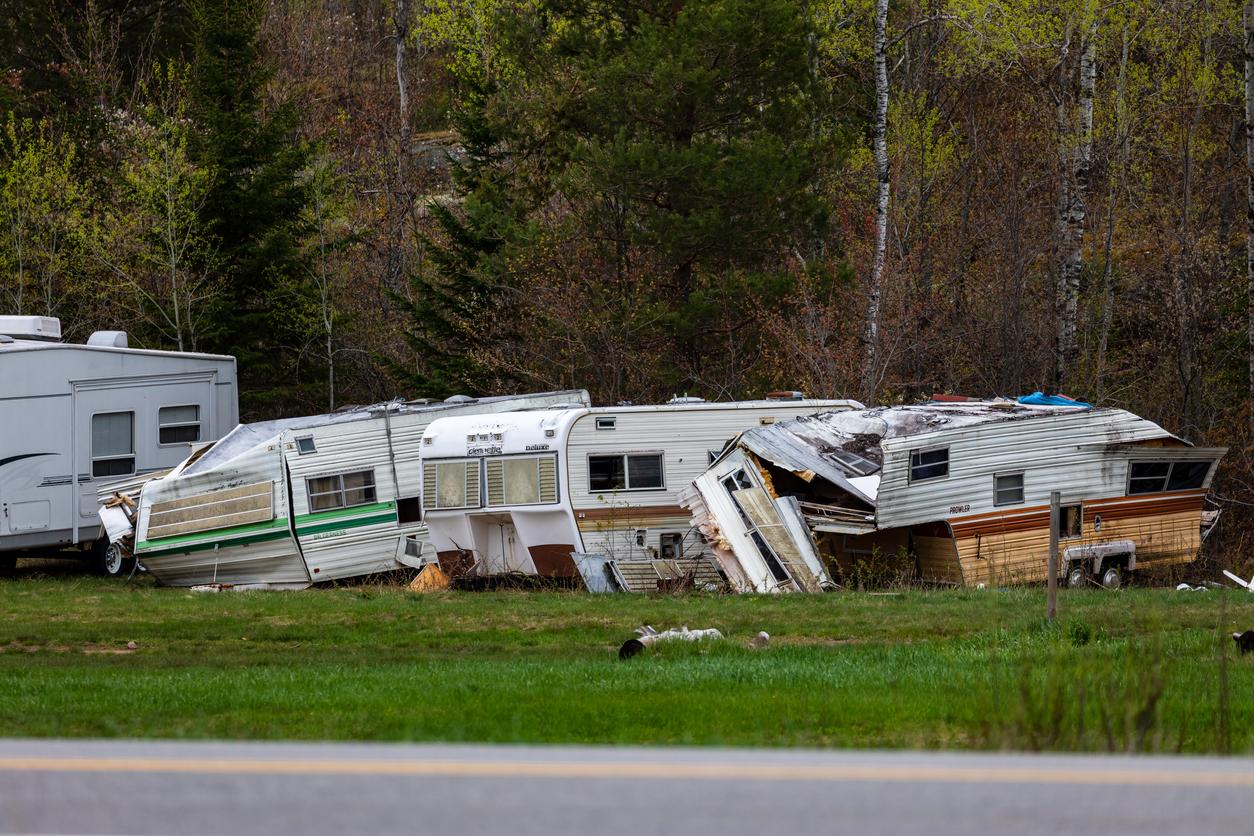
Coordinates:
<point>107,560</point>
<point>1112,577</point>
<point>8,563</point>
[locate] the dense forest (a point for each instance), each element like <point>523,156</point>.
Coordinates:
<point>363,199</point>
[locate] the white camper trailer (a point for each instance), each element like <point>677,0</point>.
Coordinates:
<point>283,504</point>
<point>599,481</point>
<point>954,493</point>
<point>72,416</point>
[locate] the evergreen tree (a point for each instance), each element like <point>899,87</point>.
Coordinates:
<point>697,116</point>
<point>255,204</point>
<point>463,306</point>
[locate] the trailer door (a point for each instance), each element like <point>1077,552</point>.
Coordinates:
<point>134,426</point>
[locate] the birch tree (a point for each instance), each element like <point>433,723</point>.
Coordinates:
<point>39,205</point>
<point>1247,20</point>
<point>155,243</point>
<point>879,139</point>
<point>1076,156</point>
<point>1056,49</point>
<point>400,24</point>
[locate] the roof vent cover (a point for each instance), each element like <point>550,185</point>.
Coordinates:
<point>109,339</point>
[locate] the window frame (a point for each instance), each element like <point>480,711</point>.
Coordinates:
<point>1166,479</point>
<point>912,479</point>
<point>539,459</point>
<point>433,484</point>
<point>1079,528</point>
<point>406,523</point>
<point>131,455</point>
<point>313,445</point>
<point>1022,488</point>
<point>198,424</point>
<point>339,475</point>
<point>626,457</point>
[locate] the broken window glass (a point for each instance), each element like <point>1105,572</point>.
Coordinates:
<point>929,464</point>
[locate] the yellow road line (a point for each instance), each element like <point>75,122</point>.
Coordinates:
<point>669,771</point>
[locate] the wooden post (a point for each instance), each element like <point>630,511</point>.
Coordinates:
<point>1051,595</point>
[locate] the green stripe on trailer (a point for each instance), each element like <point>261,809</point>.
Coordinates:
<point>332,525</point>
<point>274,530</point>
<point>216,535</point>
<point>338,513</point>
<point>142,550</point>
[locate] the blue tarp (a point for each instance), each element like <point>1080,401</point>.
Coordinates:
<point>1040,399</point>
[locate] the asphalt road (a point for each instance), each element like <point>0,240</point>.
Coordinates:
<point>233,789</point>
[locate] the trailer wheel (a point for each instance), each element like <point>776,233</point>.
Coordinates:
<point>1077,576</point>
<point>1111,578</point>
<point>107,559</point>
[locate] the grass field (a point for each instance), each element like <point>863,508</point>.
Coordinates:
<point>1136,669</point>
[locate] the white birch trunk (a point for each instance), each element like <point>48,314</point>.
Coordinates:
<point>879,136</point>
<point>1121,150</point>
<point>1073,210</point>
<point>400,21</point>
<point>1249,191</point>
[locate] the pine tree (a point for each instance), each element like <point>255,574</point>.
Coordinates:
<point>255,204</point>
<point>462,307</point>
<point>698,116</point>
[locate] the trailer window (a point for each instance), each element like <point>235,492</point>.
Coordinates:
<point>522,481</point>
<point>343,490</point>
<point>1160,477</point>
<point>1008,489</point>
<point>450,484</point>
<point>408,510</point>
<point>626,471</point>
<point>1070,522</point>
<point>113,444</point>
<point>178,424</point>
<point>929,464</point>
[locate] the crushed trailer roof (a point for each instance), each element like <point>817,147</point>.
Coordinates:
<point>845,447</point>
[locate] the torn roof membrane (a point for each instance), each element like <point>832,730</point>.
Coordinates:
<point>844,447</point>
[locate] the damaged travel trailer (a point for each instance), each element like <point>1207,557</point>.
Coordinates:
<point>284,504</point>
<point>74,416</point>
<point>956,493</point>
<point>521,492</point>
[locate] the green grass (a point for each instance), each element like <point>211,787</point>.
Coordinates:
<point>947,668</point>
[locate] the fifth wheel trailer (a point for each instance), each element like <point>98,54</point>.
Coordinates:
<point>73,416</point>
